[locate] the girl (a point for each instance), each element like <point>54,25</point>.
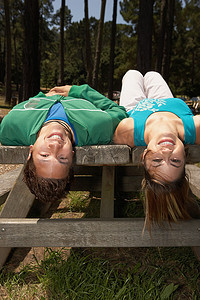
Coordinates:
<point>164,125</point>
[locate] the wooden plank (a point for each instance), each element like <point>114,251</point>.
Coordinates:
<point>193,154</point>
<point>92,155</point>
<point>7,180</point>
<point>128,183</point>
<point>107,193</point>
<point>103,155</point>
<point>136,155</point>
<point>95,233</point>
<point>13,154</point>
<point>196,251</point>
<point>194,179</point>
<point>18,204</point>
<point>87,155</point>
<point>86,183</point>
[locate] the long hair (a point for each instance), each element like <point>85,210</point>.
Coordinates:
<point>46,189</point>
<point>165,201</point>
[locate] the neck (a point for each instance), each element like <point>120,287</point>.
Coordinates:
<point>66,127</point>
<point>157,127</point>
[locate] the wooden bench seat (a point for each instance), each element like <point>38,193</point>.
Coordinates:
<point>107,169</point>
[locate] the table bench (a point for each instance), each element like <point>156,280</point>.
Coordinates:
<point>106,169</point>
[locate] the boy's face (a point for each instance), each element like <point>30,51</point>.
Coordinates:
<point>52,152</point>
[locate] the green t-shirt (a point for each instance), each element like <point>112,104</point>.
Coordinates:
<point>93,116</point>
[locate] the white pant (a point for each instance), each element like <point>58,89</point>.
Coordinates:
<point>136,87</point>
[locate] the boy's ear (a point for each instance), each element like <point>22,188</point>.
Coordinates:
<point>30,152</point>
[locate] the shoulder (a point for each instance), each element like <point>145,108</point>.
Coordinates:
<point>124,132</point>
<point>197,128</point>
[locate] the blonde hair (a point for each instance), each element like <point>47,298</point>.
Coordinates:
<point>165,201</point>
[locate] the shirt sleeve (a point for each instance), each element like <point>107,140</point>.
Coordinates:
<point>85,92</point>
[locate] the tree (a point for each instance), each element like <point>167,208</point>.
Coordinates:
<point>98,46</point>
<point>112,51</point>
<point>61,52</point>
<point>88,52</point>
<point>165,71</point>
<point>161,37</point>
<point>31,67</point>
<point>8,53</point>
<point>144,45</point>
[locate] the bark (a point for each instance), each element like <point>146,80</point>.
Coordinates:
<point>31,67</point>
<point>98,46</point>
<point>112,51</point>
<point>8,53</point>
<point>88,51</point>
<point>144,48</point>
<point>61,50</point>
<point>168,41</point>
<point>161,38</point>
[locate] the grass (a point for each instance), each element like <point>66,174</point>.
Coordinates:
<point>104,273</point>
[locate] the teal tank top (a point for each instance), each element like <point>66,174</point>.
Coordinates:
<point>146,107</point>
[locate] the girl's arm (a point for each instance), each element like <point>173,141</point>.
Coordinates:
<point>197,128</point>
<point>124,133</point>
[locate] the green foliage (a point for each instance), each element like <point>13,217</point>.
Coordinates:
<point>158,274</point>
<point>185,55</point>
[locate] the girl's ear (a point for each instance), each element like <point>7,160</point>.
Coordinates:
<point>30,152</point>
<point>143,155</point>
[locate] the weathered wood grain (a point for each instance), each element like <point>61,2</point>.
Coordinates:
<point>95,233</point>
<point>194,179</point>
<point>87,155</point>
<point>7,180</point>
<point>13,154</point>
<point>107,192</point>
<point>93,155</point>
<point>17,205</point>
<point>102,155</point>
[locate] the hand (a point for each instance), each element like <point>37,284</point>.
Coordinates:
<point>60,90</point>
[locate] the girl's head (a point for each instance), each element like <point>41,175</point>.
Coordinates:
<point>165,184</point>
<point>164,158</point>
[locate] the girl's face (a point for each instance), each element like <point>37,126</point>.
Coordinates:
<point>165,157</point>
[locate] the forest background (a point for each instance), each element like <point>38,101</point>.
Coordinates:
<point>41,49</point>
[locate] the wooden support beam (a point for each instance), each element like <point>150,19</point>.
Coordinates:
<point>17,205</point>
<point>87,155</point>
<point>107,192</point>
<point>7,181</point>
<point>95,233</point>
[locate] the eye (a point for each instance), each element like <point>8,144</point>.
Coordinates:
<point>44,155</point>
<point>175,160</point>
<point>63,159</point>
<point>158,160</point>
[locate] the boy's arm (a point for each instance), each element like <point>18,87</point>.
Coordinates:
<point>100,101</point>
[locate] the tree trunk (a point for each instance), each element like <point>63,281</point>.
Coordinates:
<point>112,51</point>
<point>61,52</point>
<point>144,48</point>
<point>88,46</point>
<point>161,38</point>
<point>8,53</point>
<point>31,67</point>
<point>168,41</point>
<point>98,46</point>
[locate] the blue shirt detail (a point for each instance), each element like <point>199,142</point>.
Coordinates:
<point>57,112</point>
<point>146,107</point>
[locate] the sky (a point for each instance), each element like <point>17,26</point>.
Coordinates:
<point>94,7</point>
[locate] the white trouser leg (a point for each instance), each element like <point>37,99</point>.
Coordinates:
<point>132,90</point>
<point>156,87</point>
